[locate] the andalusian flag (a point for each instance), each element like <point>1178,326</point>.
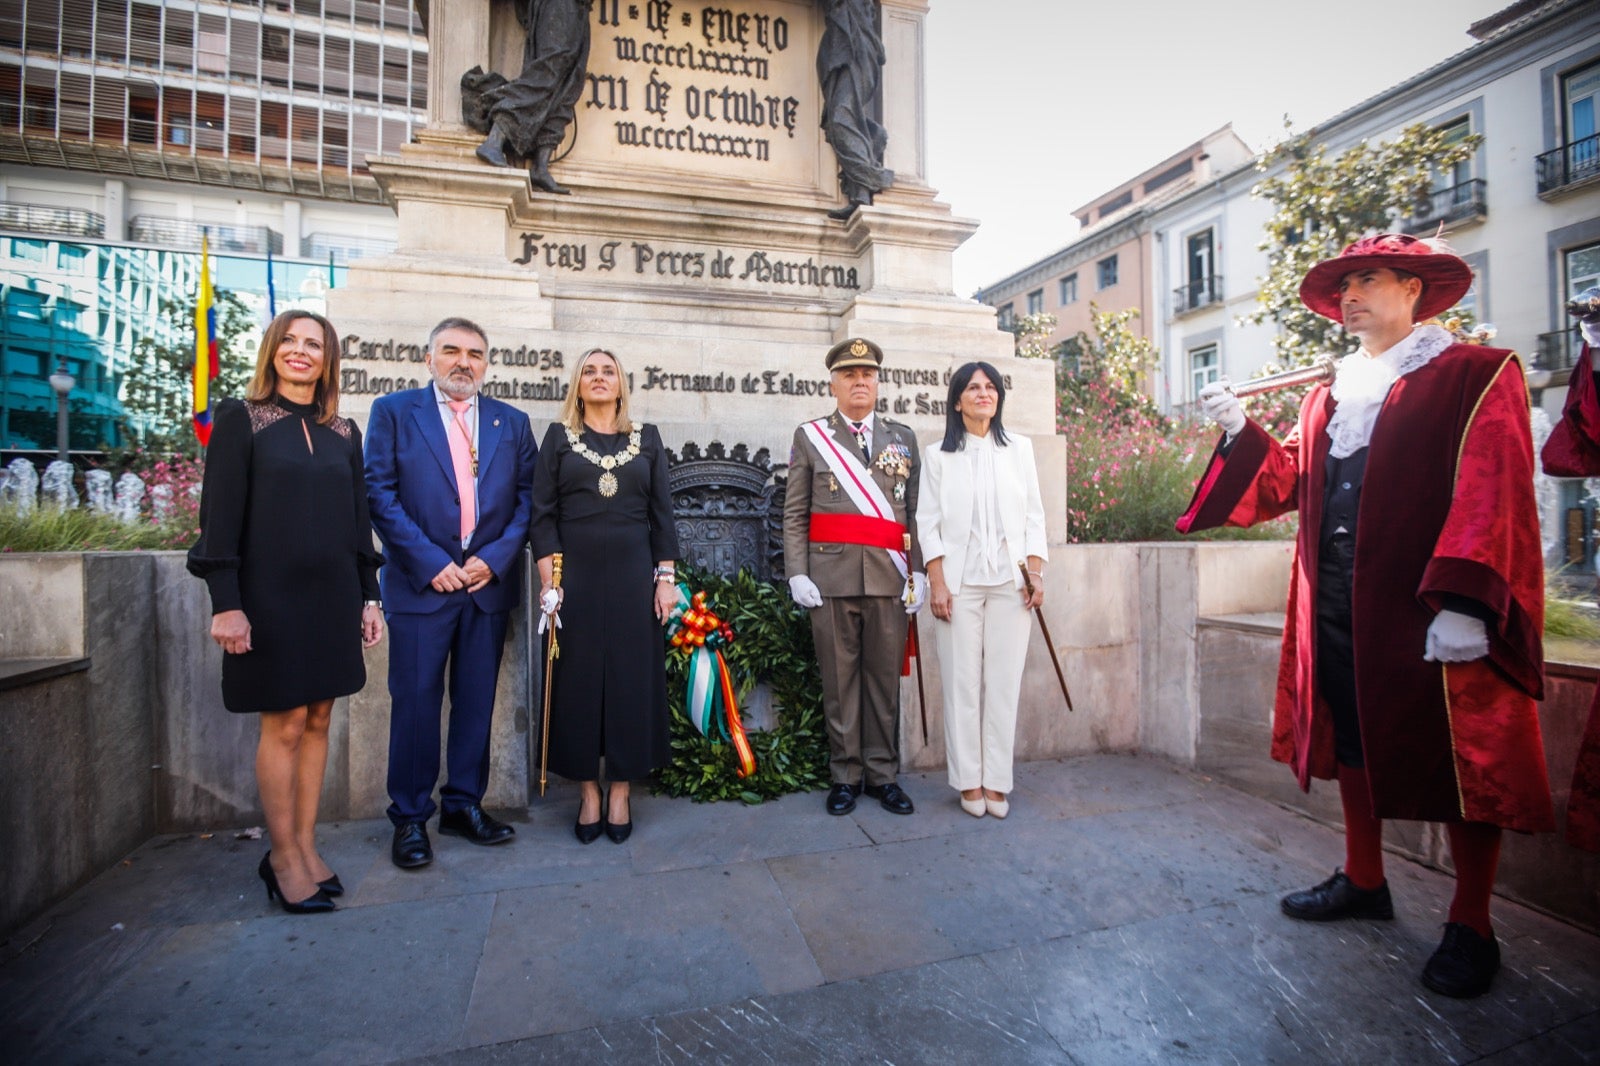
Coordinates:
<point>205,347</point>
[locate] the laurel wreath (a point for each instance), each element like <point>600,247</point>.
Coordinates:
<point>774,648</point>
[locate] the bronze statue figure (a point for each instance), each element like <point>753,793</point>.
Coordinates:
<point>850,61</point>
<point>527,117</point>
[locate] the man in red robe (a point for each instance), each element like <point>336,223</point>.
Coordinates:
<point>1573,450</point>
<point>1412,647</point>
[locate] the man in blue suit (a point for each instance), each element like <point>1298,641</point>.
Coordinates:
<point>450,487</point>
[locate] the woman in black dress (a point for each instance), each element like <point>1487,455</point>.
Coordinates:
<point>600,497</point>
<point>286,550</point>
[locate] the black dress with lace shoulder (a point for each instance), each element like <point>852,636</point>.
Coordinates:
<point>285,537</point>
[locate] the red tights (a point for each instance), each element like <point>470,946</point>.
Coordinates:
<point>1474,848</point>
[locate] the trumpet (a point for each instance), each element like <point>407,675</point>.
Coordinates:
<point>1319,372</point>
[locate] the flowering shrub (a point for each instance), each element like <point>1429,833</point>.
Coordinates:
<point>1131,471</point>
<point>182,475</point>
<point>171,477</point>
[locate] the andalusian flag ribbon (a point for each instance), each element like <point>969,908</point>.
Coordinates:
<point>711,702</point>
<point>205,346</point>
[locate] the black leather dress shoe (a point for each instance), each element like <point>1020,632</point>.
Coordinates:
<point>891,798</point>
<point>1338,897</point>
<point>1465,963</point>
<point>411,848</point>
<point>476,825</point>
<point>842,798</point>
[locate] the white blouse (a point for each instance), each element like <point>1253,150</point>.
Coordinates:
<point>988,560</point>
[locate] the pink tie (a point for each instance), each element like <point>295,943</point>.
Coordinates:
<point>466,479</point>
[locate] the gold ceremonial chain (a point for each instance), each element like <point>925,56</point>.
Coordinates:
<point>607,463</point>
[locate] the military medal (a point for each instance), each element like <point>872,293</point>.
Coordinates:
<point>607,463</point>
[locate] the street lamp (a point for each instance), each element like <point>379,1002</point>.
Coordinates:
<point>62,382</point>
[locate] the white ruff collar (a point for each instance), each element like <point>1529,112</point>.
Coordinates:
<point>1364,382</point>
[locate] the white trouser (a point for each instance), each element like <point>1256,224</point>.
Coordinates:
<point>981,653</point>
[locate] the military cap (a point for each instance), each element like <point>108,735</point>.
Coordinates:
<point>854,352</point>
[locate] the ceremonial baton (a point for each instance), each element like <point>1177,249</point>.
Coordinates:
<point>916,640</point>
<point>553,650</point>
<point>1050,645</point>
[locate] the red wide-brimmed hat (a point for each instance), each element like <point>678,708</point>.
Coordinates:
<point>1446,277</point>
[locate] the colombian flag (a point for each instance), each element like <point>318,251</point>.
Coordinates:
<point>205,347</point>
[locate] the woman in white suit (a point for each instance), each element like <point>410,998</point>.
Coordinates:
<point>979,513</point>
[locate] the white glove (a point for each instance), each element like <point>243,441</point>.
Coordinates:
<point>1222,407</point>
<point>804,592</point>
<point>549,603</point>
<point>1591,334</point>
<point>918,584</point>
<point>1454,637</point>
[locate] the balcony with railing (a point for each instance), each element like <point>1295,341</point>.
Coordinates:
<point>1202,292</point>
<point>1569,166</point>
<point>1463,203</point>
<point>186,233</point>
<point>342,249</point>
<point>1556,352</point>
<point>60,221</point>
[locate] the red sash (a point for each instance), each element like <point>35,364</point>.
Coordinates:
<point>858,529</point>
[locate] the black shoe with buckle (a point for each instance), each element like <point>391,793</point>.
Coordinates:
<point>1336,898</point>
<point>1464,964</point>
<point>891,798</point>
<point>842,798</point>
<point>411,848</point>
<point>476,825</point>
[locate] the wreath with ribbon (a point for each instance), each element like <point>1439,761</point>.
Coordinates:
<point>710,702</point>
<point>727,636</point>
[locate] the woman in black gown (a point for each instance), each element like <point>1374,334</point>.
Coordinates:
<point>286,550</point>
<point>600,498</point>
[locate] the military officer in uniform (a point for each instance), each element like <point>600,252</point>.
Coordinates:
<point>850,549</point>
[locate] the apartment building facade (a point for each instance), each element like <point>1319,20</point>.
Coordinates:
<point>1524,211</point>
<point>130,127</point>
<point>1109,263</point>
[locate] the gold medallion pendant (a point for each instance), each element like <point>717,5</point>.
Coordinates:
<point>607,463</point>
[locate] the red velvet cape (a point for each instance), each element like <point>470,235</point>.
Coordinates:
<point>1447,509</point>
<point>1573,450</point>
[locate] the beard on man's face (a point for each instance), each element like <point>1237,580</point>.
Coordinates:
<point>458,383</point>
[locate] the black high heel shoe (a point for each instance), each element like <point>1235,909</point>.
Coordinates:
<point>618,831</point>
<point>332,886</point>
<point>317,903</point>
<point>587,832</point>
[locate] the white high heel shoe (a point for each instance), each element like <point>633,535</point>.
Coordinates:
<point>999,808</point>
<point>974,807</point>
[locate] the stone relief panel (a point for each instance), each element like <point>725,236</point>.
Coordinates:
<point>729,509</point>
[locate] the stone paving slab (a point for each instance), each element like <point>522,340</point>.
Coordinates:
<point>289,988</point>
<point>573,956</point>
<point>1125,912</point>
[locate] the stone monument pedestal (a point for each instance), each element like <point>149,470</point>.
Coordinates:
<point>696,244</point>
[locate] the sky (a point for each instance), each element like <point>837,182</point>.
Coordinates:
<point>1036,107</point>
